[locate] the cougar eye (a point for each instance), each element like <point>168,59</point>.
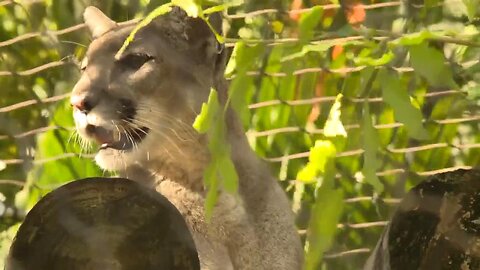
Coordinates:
<point>135,60</point>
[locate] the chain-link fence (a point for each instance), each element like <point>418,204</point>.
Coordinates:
<point>290,89</point>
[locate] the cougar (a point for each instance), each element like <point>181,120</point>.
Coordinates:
<point>139,108</point>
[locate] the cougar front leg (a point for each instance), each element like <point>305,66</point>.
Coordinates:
<point>213,254</point>
<point>239,232</point>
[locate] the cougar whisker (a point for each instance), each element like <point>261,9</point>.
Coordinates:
<point>164,135</point>
<point>156,125</point>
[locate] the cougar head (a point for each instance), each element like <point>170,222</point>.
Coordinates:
<point>140,104</point>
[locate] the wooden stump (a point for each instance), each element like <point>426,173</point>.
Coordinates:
<point>437,226</point>
<point>104,224</point>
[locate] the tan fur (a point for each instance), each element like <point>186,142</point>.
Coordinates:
<point>251,230</point>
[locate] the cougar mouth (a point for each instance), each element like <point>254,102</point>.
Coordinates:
<point>124,138</point>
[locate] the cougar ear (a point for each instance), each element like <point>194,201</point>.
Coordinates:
<point>201,37</point>
<point>97,22</point>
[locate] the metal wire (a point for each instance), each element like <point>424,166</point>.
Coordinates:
<point>29,104</point>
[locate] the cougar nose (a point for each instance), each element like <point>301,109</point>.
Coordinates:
<point>81,103</point>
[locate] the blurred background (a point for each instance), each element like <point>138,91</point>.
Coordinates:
<point>351,103</point>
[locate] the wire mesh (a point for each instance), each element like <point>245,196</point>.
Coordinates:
<point>463,144</point>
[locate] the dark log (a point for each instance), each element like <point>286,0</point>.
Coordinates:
<point>437,226</point>
<point>103,223</point>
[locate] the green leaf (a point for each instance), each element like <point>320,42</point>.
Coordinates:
<point>325,215</point>
<point>368,61</point>
<point>210,179</point>
<point>228,174</point>
<point>232,62</point>
<point>240,91</point>
<point>473,91</point>
<point>224,6</point>
<point>25,199</point>
<point>320,154</point>
<point>395,94</point>
<point>214,9</point>
<point>430,63</point>
<point>277,27</point>
<point>243,59</point>
<point>412,39</point>
<point>208,113</point>
<point>220,39</point>
<point>246,56</point>
<point>307,174</point>
<point>6,239</point>
<point>159,11</point>
<point>194,9</point>
<point>220,172</point>
<point>333,126</point>
<point>471,8</point>
<point>308,23</point>
<point>370,145</point>
<point>191,7</point>
<point>320,47</point>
